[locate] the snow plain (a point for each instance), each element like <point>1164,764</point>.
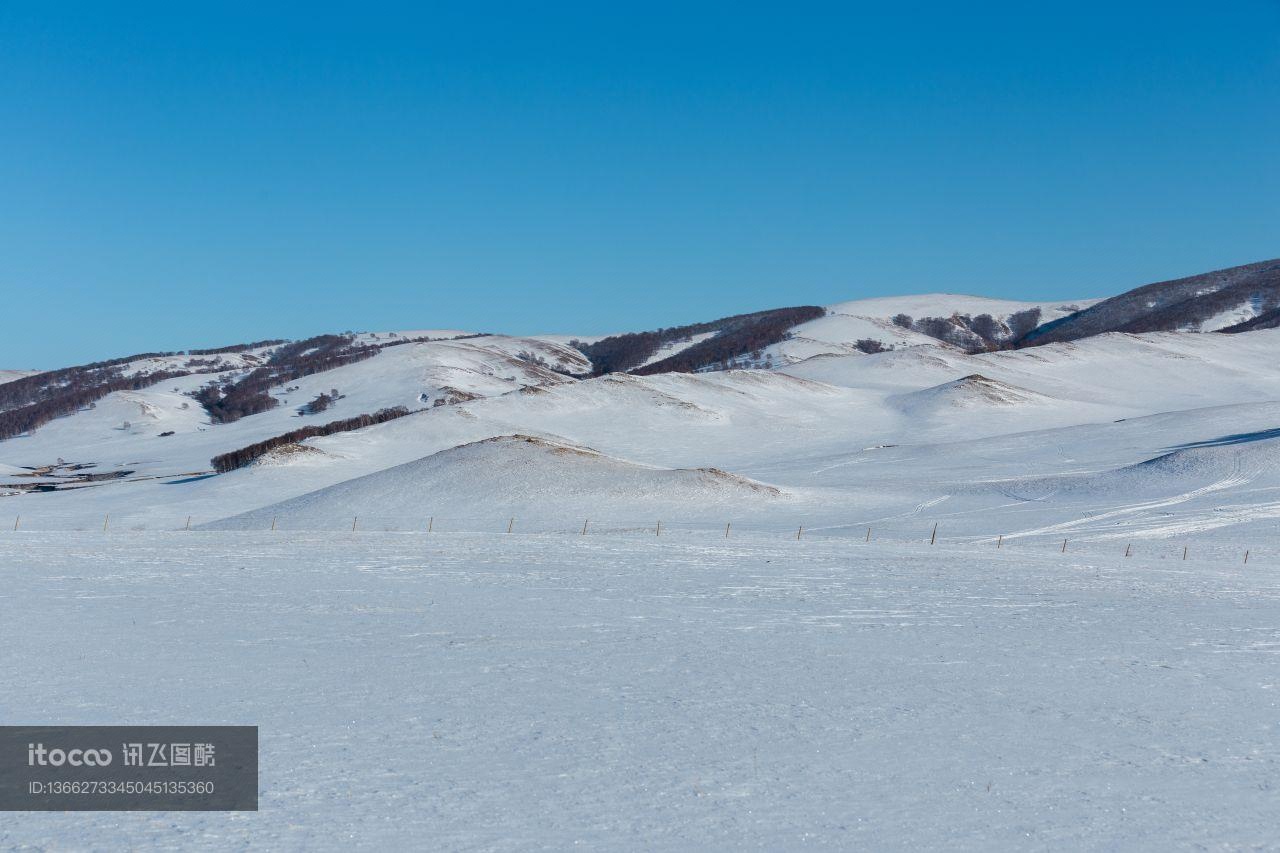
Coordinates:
<point>630,691</point>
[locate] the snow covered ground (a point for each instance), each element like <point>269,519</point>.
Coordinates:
<point>629,691</point>
<point>717,621</point>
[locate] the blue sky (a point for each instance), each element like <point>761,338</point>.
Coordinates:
<point>182,175</point>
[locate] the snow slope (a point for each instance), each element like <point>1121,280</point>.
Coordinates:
<point>848,323</point>
<point>411,375</point>
<point>10,375</point>
<point>1196,303</point>
<point>892,440</point>
<point>517,473</point>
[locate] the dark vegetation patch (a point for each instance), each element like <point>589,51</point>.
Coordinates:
<point>230,461</point>
<point>748,334</point>
<point>40,398</point>
<point>319,404</point>
<point>735,336</point>
<point>973,333</point>
<point>230,401</point>
<point>32,401</point>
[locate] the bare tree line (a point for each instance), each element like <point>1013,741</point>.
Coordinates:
<point>224,462</point>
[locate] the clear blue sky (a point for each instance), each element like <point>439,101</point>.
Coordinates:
<point>176,175</point>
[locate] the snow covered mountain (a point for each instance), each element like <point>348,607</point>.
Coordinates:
<point>876,411</point>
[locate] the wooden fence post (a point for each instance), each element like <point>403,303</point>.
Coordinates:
<point>933,537</point>
<point>726,529</point>
<point>188,527</point>
<point>353,523</point>
<point>658,530</point>
<point>868,539</point>
<point>1184,552</point>
<point>273,523</point>
<point>584,526</point>
<point>16,519</point>
<point>1126,548</point>
<point>1000,541</point>
<point>511,524</point>
<point>1064,546</point>
<point>431,522</point>
<point>1246,556</point>
<point>798,532</point>
<point>105,519</point>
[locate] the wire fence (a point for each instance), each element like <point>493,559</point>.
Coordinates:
<point>916,531</point>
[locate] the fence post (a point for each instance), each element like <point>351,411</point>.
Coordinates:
<point>933,537</point>
<point>584,526</point>
<point>798,532</point>
<point>726,529</point>
<point>1184,552</point>
<point>658,530</point>
<point>868,539</point>
<point>511,524</point>
<point>1064,546</point>
<point>1246,556</point>
<point>15,521</point>
<point>1126,548</point>
<point>105,519</point>
<point>353,523</point>
<point>1000,541</point>
<point>273,523</point>
<point>431,523</point>
<point>188,527</point>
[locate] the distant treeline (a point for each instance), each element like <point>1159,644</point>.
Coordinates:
<point>234,459</point>
<point>981,333</point>
<point>78,391</point>
<point>743,336</point>
<point>235,348</point>
<point>51,383</point>
<point>229,402</point>
<point>399,341</point>
<point>32,401</point>
<point>736,336</point>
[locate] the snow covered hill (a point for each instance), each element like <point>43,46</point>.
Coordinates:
<point>1236,299</point>
<point>10,375</point>
<point>537,478</point>
<point>948,319</point>
<point>410,425</point>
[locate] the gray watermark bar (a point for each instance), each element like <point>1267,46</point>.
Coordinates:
<point>128,768</point>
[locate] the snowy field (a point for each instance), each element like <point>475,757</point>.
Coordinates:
<point>492,692</point>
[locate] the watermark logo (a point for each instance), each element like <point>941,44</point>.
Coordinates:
<point>128,768</point>
<point>38,756</point>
